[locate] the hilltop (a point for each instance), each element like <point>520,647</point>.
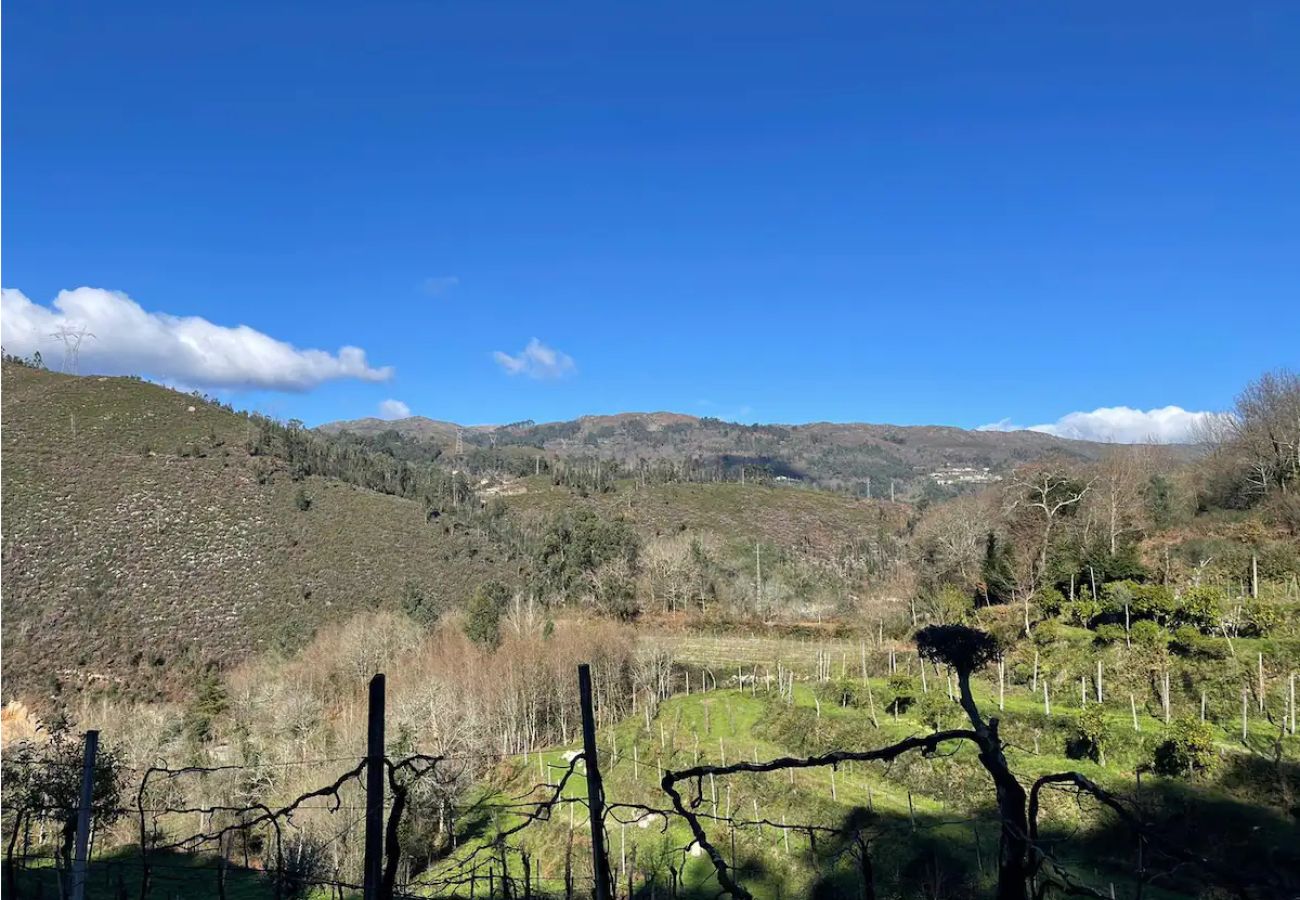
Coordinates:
<point>858,457</point>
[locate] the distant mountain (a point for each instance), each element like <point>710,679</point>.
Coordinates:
<point>824,454</point>
<point>417,427</point>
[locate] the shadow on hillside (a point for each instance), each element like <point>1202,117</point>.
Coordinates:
<point>956,857</point>
<point>1256,846</point>
<point>118,876</point>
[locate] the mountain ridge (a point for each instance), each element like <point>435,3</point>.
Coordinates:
<point>850,456</point>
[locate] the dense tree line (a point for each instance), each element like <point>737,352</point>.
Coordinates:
<point>307,453</point>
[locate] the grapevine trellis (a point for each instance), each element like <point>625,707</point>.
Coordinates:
<point>373,794</point>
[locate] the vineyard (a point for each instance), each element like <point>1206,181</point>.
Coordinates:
<point>781,778</point>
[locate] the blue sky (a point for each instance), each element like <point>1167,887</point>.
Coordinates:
<point>908,212</point>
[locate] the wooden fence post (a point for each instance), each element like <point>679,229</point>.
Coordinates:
<point>83,815</point>
<point>595,790</point>
<point>374,846</point>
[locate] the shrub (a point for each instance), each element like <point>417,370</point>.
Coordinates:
<point>1147,633</point>
<point>1185,640</point>
<point>1116,596</point>
<point>1051,601</point>
<point>483,616</point>
<point>1109,634</point>
<point>1047,632</point>
<point>1092,735</point>
<point>1261,619</point>
<point>936,710</point>
<point>1083,610</point>
<point>417,606</point>
<point>1198,607</point>
<point>1187,750</point>
<point>1188,641</point>
<point>903,690</point>
<point>302,499</point>
<point>951,604</point>
<point>1153,601</point>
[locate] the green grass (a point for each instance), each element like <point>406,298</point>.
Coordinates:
<point>948,799</point>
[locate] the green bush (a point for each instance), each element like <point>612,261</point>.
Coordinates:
<point>902,689</point>
<point>1051,601</point>
<point>1092,735</point>
<point>1187,750</point>
<point>483,616</point>
<point>1198,606</point>
<point>1185,640</point>
<point>302,499</point>
<point>1083,610</point>
<point>418,606</point>
<point>1261,619</point>
<point>1109,633</point>
<point>1188,641</point>
<point>1146,633</point>
<point>936,710</point>
<point>1047,632</point>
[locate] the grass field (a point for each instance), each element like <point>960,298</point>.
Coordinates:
<point>930,820</point>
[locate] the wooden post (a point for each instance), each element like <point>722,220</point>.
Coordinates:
<point>1245,697</point>
<point>1099,698</point>
<point>1166,696</point>
<point>1047,701</point>
<point>83,815</point>
<point>372,873</point>
<point>595,791</point>
<point>1292,683</point>
<point>1261,682</point>
<point>1002,683</point>
<point>1254,576</point>
<point>1132,705</point>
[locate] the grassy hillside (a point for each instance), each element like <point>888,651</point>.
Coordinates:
<point>143,541</point>
<point>930,823</point>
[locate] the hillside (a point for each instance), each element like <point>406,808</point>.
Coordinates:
<point>139,524</point>
<point>142,541</point>
<point>824,454</point>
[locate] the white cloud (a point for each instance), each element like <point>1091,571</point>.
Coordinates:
<point>438,285</point>
<point>128,340</point>
<point>536,361</point>
<point>1120,425</point>
<point>394,409</point>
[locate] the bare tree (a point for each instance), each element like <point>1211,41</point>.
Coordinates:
<point>1121,478</point>
<point>1046,492</point>
<point>1266,430</point>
